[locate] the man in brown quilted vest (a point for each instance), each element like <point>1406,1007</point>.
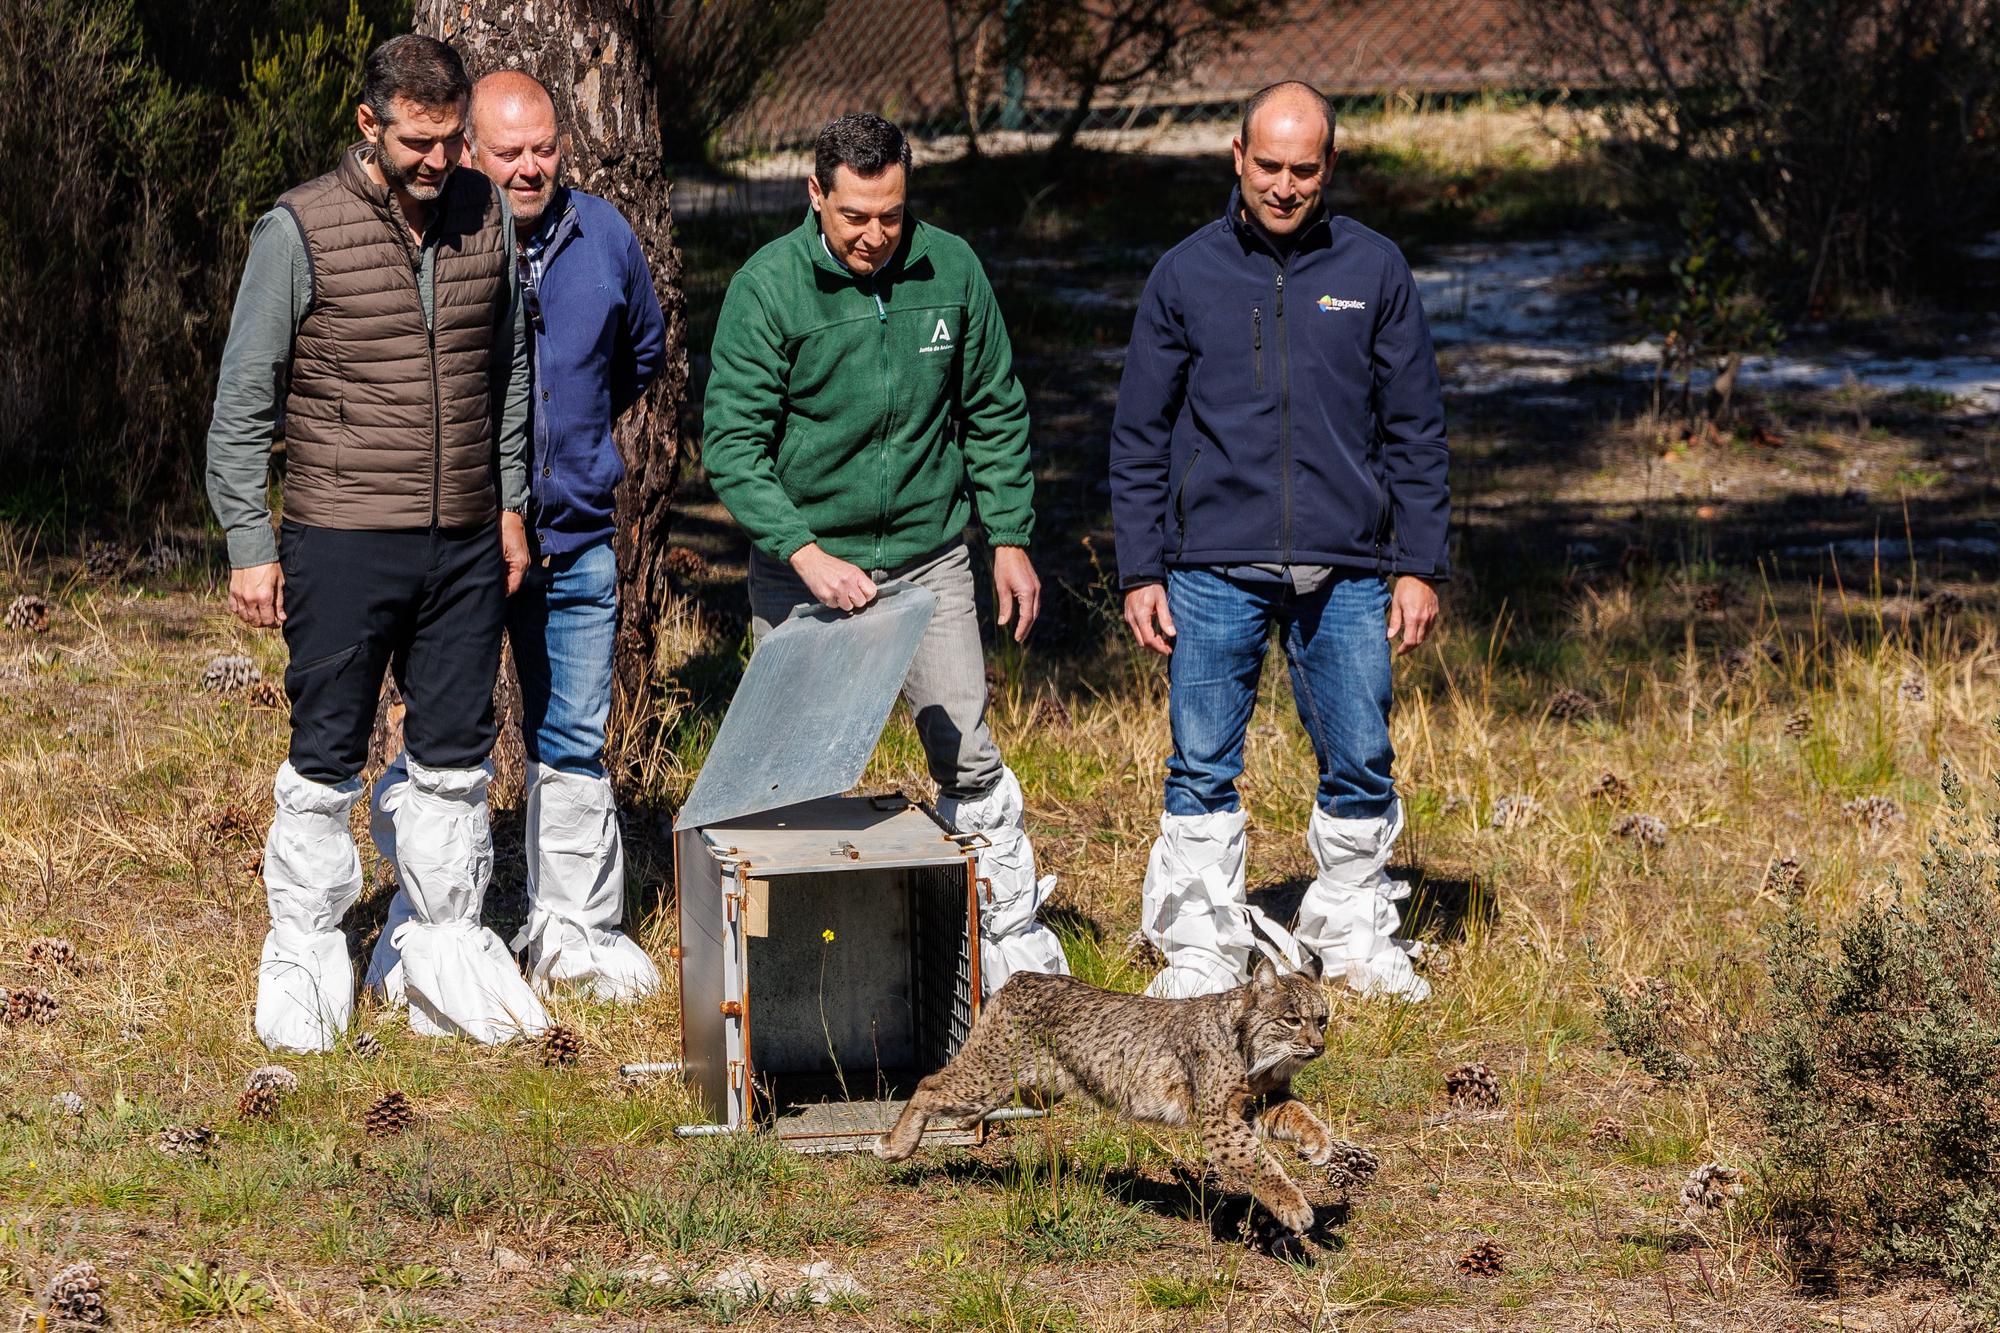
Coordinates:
<point>379,330</point>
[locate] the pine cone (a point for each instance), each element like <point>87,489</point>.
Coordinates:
<point>1877,812</point>
<point>684,563</point>
<point>276,1077</point>
<point>1353,1167</point>
<point>224,674</point>
<point>32,1004</point>
<point>163,556</point>
<point>1142,953</point>
<point>233,823</point>
<point>106,560</point>
<point>1784,875</point>
<point>562,1046</point>
<point>77,1295</point>
<point>1799,725</point>
<point>1711,598</point>
<point>1571,705</point>
<point>1052,711</point>
<point>391,1114</point>
<point>1913,690</point>
<point>1510,812</point>
<point>1486,1259</point>
<point>52,954</point>
<point>195,1141</point>
<point>1709,1189</point>
<point>67,1103</point>
<point>269,694</point>
<point>1610,789</point>
<point>1943,602</point>
<point>258,1103</point>
<point>1647,830</point>
<point>1736,663</point>
<point>28,612</point>
<point>366,1045</point>
<point>1472,1085</point>
<point>1608,1130</point>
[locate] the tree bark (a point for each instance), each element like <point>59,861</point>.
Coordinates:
<point>595,58</point>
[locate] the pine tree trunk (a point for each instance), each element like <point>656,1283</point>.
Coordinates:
<point>595,58</point>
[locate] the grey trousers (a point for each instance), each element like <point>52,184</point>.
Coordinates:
<point>946,687</point>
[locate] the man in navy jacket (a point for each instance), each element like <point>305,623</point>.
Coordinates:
<point>598,339</point>
<point>1278,459</point>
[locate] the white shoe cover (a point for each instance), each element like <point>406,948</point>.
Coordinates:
<point>1193,908</point>
<point>576,890</point>
<point>1010,938</point>
<point>456,976</point>
<point>312,875</point>
<point>1349,916</point>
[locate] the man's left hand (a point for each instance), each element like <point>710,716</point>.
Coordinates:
<point>514,549</point>
<point>1413,609</point>
<point>1017,591</point>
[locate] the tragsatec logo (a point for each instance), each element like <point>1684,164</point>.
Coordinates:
<point>1329,304</point>
<point>940,338</point>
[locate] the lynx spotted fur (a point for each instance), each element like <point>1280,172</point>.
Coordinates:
<point>1223,1063</point>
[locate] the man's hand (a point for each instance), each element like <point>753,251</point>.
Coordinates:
<point>832,581</point>
<point>1413,609</point>
<point>257,595</point>
<point>514,549</point>
<point>1146,607</point>
<point>1017,590</point>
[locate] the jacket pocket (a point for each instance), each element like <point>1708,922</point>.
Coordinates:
<point>1257,342</point>
<point>1180,492</point>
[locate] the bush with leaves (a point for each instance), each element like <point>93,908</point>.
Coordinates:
<point>1707,322</point>
<point>1848,143</point>
<point>1871,1066</point>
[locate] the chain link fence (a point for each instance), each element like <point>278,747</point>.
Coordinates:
<point>894,57</point>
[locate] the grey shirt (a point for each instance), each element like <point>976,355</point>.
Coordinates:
<point>256,366</point>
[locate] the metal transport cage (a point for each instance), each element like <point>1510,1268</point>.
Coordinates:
<point>829,944</point>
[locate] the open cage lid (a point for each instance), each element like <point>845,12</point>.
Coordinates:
<point>811,705</point>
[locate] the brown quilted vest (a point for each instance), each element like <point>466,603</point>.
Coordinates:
<point>389,424</point>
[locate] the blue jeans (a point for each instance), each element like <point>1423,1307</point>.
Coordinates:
<point>1335,640</point>
<point>563,624</point>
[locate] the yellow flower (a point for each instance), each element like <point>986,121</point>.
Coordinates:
<point>826,935</point>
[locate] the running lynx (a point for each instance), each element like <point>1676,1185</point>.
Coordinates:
<point>1223,1062</point>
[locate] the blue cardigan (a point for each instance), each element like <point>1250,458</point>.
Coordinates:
<point>601,341</point>
<point>1280,409</point>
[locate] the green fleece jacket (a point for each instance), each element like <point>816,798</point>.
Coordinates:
<point>858,412</point>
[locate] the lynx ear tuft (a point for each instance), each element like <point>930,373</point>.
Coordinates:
<point>1265,978</point>
<point>1314,968</point>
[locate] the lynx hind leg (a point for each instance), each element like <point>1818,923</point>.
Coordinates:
<point>978,1079</point>
<point>1230,1138</point>
<point>1291,1122</point>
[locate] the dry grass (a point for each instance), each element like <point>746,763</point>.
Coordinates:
<point>118,778</point>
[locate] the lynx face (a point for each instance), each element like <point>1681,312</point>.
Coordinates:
<point>1284,1021</point>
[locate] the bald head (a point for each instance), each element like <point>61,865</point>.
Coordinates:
<point>1286,108</point>
<point>514,140</point>
<point>1283,156</point>
<point>509,93</point>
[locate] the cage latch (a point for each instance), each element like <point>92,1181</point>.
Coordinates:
<point>970,842</point>
<point>987,885</point>
<point>732,1008</point>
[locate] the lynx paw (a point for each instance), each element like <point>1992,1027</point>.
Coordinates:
<point>885,1148</point>
<point>1296,1218</point>
<point>1317,1154</point>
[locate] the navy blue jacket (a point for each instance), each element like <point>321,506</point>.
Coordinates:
<point>600,342</point>
<point>1280,409</point>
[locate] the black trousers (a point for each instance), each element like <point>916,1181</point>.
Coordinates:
<point>426,604</point>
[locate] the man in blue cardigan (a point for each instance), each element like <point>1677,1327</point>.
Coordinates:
<point>598,339</point>
<point>1278,460</point>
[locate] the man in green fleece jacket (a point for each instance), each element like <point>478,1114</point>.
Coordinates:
<point>861,406</point>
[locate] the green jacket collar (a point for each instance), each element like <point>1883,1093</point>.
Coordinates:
<point>916,243</point>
